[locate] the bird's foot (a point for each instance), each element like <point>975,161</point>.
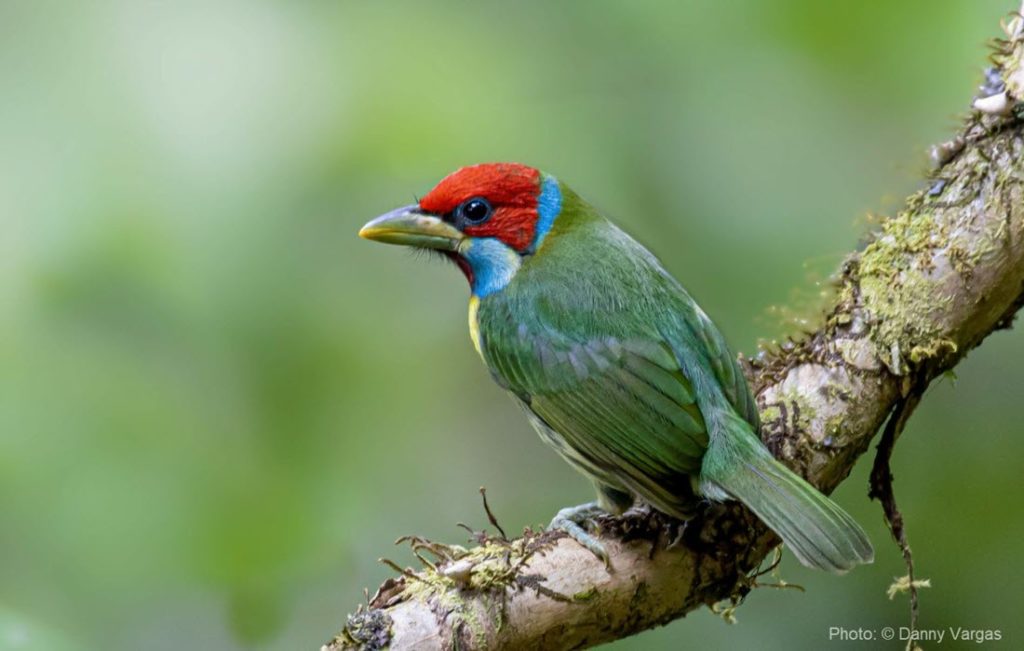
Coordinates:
<point>572,521</point>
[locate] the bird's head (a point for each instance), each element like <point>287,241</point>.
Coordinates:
<point>487,218</point>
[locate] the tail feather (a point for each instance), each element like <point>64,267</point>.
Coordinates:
<point>816,529</point>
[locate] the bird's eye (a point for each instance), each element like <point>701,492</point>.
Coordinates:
<point>475,211</point>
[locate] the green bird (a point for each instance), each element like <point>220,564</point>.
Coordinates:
<point>616,366</point>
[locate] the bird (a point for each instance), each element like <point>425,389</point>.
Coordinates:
<point>615,364</point>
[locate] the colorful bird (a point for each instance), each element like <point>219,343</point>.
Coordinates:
<point>616,366</point>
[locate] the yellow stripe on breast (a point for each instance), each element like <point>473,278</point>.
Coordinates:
<point>474,323</point>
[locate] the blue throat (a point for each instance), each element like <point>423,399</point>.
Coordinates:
<point>493,262</point>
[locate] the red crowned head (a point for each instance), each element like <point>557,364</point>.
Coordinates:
<point>484,217</point>
<point>489,200</point>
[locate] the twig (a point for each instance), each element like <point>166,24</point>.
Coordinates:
<point>490,516</point>
<point>881,489</point>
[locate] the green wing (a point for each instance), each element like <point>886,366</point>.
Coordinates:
<point>623,407</point>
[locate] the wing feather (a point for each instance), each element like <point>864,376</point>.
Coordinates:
<point>623,406</point>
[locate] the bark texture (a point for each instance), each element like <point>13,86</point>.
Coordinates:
<point>929,286</point>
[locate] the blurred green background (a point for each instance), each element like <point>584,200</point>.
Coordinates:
<point>218,406</point>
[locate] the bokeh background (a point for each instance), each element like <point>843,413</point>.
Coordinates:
<point>218,406</point>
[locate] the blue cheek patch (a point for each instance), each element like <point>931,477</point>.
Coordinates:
<point>493,263</point>
<point>549,204</point>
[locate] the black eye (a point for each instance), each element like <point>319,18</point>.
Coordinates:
<point>475,210</point>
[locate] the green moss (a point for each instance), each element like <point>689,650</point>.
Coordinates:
<point>444,596</point>
<point>771,413</point>
<point>896,283</point>
<point>801,413</point>
<point>961,260</point>
<point>937,348</point>
<point>904,236</point>
<point>481,575</point>
<point>896,275</point>
<point>585,595</point>
<point>834,425</point>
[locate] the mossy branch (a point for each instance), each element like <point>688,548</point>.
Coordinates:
<point>930,285</point>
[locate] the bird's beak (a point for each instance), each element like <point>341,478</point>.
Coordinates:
<point>411,226</point>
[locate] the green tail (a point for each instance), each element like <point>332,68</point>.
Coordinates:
<point>820,534</point>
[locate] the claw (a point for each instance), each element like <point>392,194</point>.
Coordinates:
<point>572,521</point>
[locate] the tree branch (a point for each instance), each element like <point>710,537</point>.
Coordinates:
<point>930,285</point>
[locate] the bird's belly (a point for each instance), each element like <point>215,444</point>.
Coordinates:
<point>570,454</point>
<point>676,497</point>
